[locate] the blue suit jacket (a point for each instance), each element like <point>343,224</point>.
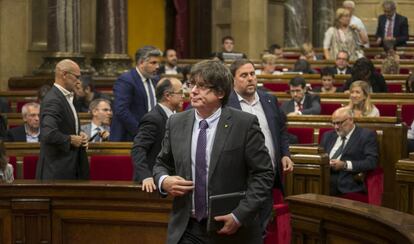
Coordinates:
<point>361,150</point>
<point>130,104</point>
<point>400,31</point>
<point>276,120</point>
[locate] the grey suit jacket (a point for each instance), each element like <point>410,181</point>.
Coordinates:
<point>87,129</point>
<point>239,162</point>
<point>311,105</point>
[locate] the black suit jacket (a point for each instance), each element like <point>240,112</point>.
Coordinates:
<point>334,70</point>
<point>376,81</point>
<point>16,134</point>
<point>276,121</point>
<point>147,142</point>
<point>239,162</point>
<point>400,31</point>
<point>361,150</point>
<point>311,105</point>
<point>58,158</point>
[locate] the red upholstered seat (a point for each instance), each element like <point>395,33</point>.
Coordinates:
<point>276,86</point>
<point>29,166</point>
<point>13,162</point>
<point>407,113</point>
<point>110,168</point>
<point>305,135</point>
<point>279,230</point>
<point>329,108</point>
<point>374,181</point>
<point>321,132</point>
<point>395,88</point>
<point>387,109</point>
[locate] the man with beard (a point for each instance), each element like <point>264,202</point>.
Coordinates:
<point>170,67</point>
<point>84,94</point>
<point>134,94</point>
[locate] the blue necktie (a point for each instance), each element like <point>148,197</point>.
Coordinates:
<point>200,192</point>
<point>98,136</point>
<point>150,95</point>
<point>340,149</point>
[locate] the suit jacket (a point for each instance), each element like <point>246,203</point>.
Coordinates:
<point>334,70</point>
<point>239,162</point>
<point>361,150</point>
<point>87,129</point>
<point>311,105</point>
<point>16,134</point>
<point>58,158</point>
<point>400,31</point>
<point>147,143</point>
<point>276,120</point>
<point>161,70</point>
<point>130,104</point>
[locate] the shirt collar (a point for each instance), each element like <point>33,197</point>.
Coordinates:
<point>140,75</point>
<point>65,92</point>
<point>350,133</point>
<point>167,110</point>
<point>26,129</point>
<point>255,101</point>
<point>210,120</point>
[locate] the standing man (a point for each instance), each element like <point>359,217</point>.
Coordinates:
<point>272,120</point>
<point>352,150</point>
<point>62,144</point>
<point>392,26</point>
<point>134,94</point>
<point>170,65</point>
<point>98,129</point>
<point>221,150</point>
<point>147,143</point>
<point>29,132</point>
<point>301,103</point>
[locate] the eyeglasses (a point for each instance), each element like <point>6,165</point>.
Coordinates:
<point>200,85</point>
<point>76,76</point>
<point>339,123</point>
<point>180,92</point>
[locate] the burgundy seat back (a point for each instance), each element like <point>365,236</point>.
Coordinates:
<point>407,113</point>
<point>329,108</point>
<point>281,87</point>
<point>13,162</point>
<point>305,135</point>
<point>110,167</point>
<point>387,109</point>
<point>394,88</point>
<point>29,166</point>
<point>321,132</point>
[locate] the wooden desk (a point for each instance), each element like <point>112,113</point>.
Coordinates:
<point>405,184</point>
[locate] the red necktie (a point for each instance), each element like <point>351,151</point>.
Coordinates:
<point>389,28</point>
<point>300,106</point>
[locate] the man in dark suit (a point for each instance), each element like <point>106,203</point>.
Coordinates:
<point>352,151</point>
<point>272,120</point>
<point>62,148</point>
<point>341,64</point>
<point>301,102</point>
<point>147,143</point>
<point>392,26</point>
<point>134,94</point>
<point>170,63</point>
<point>29,131</point>
<point>211,150</point>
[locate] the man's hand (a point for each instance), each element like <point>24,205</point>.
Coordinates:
<point>287,164</point>
<point>148,185</point>
<point>85,139</point>
<point>176,185</point>
<point>379,40</point>
<point>230,225</point>
<point>337,164</point>
<point>293,113</point>
<point>75,140</point>
<point>104,135</point>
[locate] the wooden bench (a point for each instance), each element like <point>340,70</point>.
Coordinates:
<point>405,184</point>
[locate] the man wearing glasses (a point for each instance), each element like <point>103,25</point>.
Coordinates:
<point>147,143</point>
<point>62,148</point>
<point>352,151</point>
<point>301,102</point>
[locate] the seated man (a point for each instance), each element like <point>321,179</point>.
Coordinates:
<point>276,50</point>
<point>228,52</point>
<point>85,92</point>
<point>170,63</point>
<point>301,102</point>
<point>29,132</point>
<point>352,150</point>
<point>147,143</point>
<point>341,64</point>
<point>99,128</point>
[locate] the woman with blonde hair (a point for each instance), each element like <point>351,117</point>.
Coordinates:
<point>360,100</point>
<point>6,169</point>
<point>343,36</point>
<point>269,65</point>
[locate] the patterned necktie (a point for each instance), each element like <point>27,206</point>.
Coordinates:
<point>200,192</point>
<point>340,149</point>
<point>389,28</point>
<point>150,94</point>
<point>300,106</point>
<point>98,135</point>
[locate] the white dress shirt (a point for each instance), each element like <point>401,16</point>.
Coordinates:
<point>31,138</point>
<point>69,97</point>
<point>387,22</point>
<point>147,82</point>
<point>167,111</point>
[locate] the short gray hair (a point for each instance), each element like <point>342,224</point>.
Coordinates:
<point>348,3</point>
<point>390,3</point>
<point>146,52</point>
<point>94,103</point>
<point>26,107</point>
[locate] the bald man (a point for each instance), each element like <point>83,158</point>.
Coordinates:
<point>62,150</point>
<point>147,143</point>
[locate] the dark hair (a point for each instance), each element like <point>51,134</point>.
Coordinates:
<point>362,67</point>
<point>343,51</point>
<point>409,83</point>
<point>146,52</point>
<point>43,90</point>
<point>226,38</point>
<point>95,102</point>
<point>237,64</point>
<point>297,81</point>
<point>303,66</point>
<point>214,74</point>
<point>326,71</point>
<point>389,45</point>
<point>86,80</point>
<point>163,86</point>
<point>164,54</point>
<point>185,71</point>
<point>273,47</point>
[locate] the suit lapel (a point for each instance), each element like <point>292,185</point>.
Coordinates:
<point>270,115</point>
<point>354,137</point>
<point>69,111</point>
<point>140,86</point>
<point>224,127</point>
<point>188,125</point>
<point>332,142</point>
<point>234,101</point>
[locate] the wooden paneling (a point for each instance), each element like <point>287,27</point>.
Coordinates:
<point>405,184</point>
